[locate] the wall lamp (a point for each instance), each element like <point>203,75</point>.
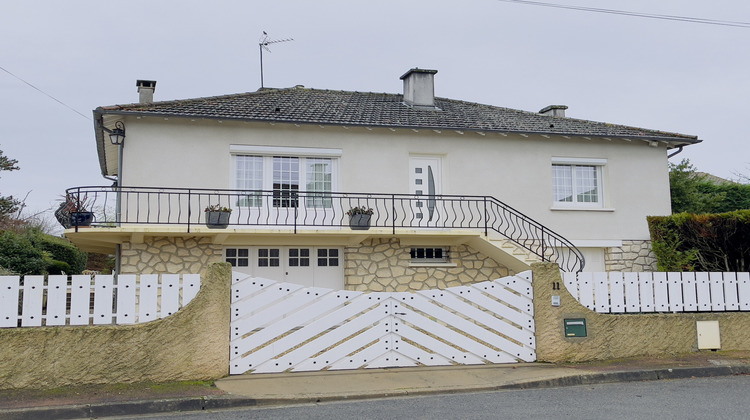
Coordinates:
<point>116,135</point>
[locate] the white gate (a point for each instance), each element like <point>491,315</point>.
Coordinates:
<point>279,327</point>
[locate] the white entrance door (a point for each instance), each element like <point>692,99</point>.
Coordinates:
<point>425,180</point>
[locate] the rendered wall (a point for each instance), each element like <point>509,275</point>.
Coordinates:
<point>193,344</point>
<point>618,336</point>
<point>512,168</point>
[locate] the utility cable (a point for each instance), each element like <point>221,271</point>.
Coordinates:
<point>46,94</point>
<point>635,14</point>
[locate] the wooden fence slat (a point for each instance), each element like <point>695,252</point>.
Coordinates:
<point>191,284</point>
<point>170,294</point>
<point>689,296</point>
<point>601,293</point>
<point>33,290</point>
<point>617,293</point>
<point>661,293</point>
<point>646,286</point>
<point>9,288</point>
<point>148,306</point>
<point>716,281</point>
<point>80,300</point>
<point>731,298</point>
<point>674,287</point>
<point>570,280</point>
<point>57,300</point>
<point>103,299</point>
<point>586,289</point>
<point>126,302</point>
<point>703,291</point>
<point>632,296</point>
<point>743,290</point>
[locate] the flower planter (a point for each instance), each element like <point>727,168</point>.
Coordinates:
<point>81,218</point>
<point>360,221</point>
<point>217,219</point>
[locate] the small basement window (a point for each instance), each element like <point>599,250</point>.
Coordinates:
<point>430,255</point>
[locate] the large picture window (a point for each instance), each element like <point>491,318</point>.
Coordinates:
<point>291,179</point>
<point>577,184</point>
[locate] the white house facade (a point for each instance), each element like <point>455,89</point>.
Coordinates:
<point>446,181</point>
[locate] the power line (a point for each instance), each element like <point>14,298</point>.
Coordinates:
<point>636,14</point>
<point>46,94</point>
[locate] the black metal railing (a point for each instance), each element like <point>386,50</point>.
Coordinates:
<point>114,206</point>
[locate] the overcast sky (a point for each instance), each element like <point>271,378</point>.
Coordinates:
<point>658,74</point>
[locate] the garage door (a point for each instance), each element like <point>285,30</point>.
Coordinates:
<point>307,266</point>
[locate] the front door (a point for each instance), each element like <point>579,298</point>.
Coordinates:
<point>425,180</point>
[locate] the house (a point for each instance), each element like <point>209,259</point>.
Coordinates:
<point>459,192</point>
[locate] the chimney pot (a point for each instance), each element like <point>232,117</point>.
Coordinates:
<point>554,110</point>
<point>419,88</point>
<point>146,90</point>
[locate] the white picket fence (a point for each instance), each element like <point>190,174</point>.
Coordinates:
<point>279,327</point>
<point>101,300</point>
<point>616,292</point>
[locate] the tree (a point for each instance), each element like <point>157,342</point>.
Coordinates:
<point>685,186</point>
<point>8,205</point>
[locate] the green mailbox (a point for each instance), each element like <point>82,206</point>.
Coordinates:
<point>575,327</point>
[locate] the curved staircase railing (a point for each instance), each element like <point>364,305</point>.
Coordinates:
<point>113,207</point>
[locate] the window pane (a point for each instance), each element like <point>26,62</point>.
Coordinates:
<point>285,181</point>
<point>319,182</point>
<point>249,175</point>
<point>586,184</point>
<point>562,183</point>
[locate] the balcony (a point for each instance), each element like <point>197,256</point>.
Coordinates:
<point>183,210</point>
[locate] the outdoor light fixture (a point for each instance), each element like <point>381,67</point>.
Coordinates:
<point>116,136</point>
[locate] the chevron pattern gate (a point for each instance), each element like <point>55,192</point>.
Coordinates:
<point>279,327</point>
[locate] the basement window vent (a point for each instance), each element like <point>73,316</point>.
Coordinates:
<point>430,255</point>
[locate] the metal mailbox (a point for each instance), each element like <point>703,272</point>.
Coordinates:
<point>575,327</point>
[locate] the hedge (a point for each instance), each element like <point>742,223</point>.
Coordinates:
<point>702,242</point>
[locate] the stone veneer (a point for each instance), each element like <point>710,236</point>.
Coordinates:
<point>631,256</point>
<point>384,265</point>
<point>163,254</point>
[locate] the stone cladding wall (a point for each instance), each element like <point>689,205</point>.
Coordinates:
<point>164,254</point>
<point>631,256</point>
<point>384,265</point>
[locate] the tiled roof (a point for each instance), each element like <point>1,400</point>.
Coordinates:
<point>313,106</point>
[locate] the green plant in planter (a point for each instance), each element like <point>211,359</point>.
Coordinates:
<point>359,217</point>
<point>217,216</point>
<point>74,211</point>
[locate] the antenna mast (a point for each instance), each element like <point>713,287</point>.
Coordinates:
<point>263,45</point>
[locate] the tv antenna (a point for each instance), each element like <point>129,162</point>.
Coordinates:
<point>263,45</point>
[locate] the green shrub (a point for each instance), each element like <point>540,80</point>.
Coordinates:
<point>60,250</point>
<point>19,255</point>
<point>702,242</point>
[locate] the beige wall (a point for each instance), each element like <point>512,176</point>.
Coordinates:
<point>514,169</point>
<point>623,335</point>
<point>193,344</point>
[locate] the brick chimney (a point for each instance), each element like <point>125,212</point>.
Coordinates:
<point>146,91</point>
<point>554,110</point>
<point>419,88</point>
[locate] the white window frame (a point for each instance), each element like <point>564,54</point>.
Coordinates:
<point>268,153</point>
<point>598,165</point>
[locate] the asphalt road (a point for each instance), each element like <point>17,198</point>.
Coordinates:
<point>701,398</point>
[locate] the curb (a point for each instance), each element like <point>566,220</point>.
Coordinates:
<point>225,402</point>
